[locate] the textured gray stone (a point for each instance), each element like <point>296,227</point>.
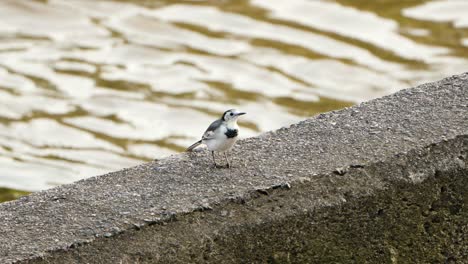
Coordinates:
<point>385,181</point>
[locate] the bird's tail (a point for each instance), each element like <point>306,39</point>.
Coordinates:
<point>194,145</point>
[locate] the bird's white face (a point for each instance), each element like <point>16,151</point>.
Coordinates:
<point>232,115</point>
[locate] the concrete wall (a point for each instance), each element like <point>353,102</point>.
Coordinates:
<point>382,182</point>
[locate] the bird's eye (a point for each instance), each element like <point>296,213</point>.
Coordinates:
<point>231,114</point>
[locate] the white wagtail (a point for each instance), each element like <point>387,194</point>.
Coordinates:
<point>221,134</point>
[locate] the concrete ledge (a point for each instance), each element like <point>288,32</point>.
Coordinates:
<point>382,182</point>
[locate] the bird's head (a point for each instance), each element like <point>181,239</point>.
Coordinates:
<point>232,115</point>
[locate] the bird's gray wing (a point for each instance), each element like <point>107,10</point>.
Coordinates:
<point>210,131</point>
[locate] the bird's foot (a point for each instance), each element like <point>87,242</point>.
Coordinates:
<point>227,166</point>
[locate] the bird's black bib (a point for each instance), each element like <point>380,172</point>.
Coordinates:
<point>231,133</point>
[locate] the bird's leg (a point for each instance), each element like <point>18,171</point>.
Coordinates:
<point>214,160</point>
<point>227,160</point>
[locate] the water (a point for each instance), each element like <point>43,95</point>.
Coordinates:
<point>90,87</point>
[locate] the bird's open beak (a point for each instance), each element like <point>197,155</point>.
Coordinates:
<point>240,113</point>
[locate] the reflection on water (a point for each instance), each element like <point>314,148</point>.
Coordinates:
<point>89,87</point>
<point>10,194</point>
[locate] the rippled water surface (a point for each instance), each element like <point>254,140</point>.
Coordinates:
<point>87,87</point>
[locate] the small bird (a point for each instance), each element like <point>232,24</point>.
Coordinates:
<point>221,134</point>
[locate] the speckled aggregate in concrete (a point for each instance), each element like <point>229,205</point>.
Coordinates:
<point>108,206</point>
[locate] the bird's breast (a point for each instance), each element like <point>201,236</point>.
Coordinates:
<point>231,133</point>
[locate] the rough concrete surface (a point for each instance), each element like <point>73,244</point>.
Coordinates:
<point>382,182</point>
